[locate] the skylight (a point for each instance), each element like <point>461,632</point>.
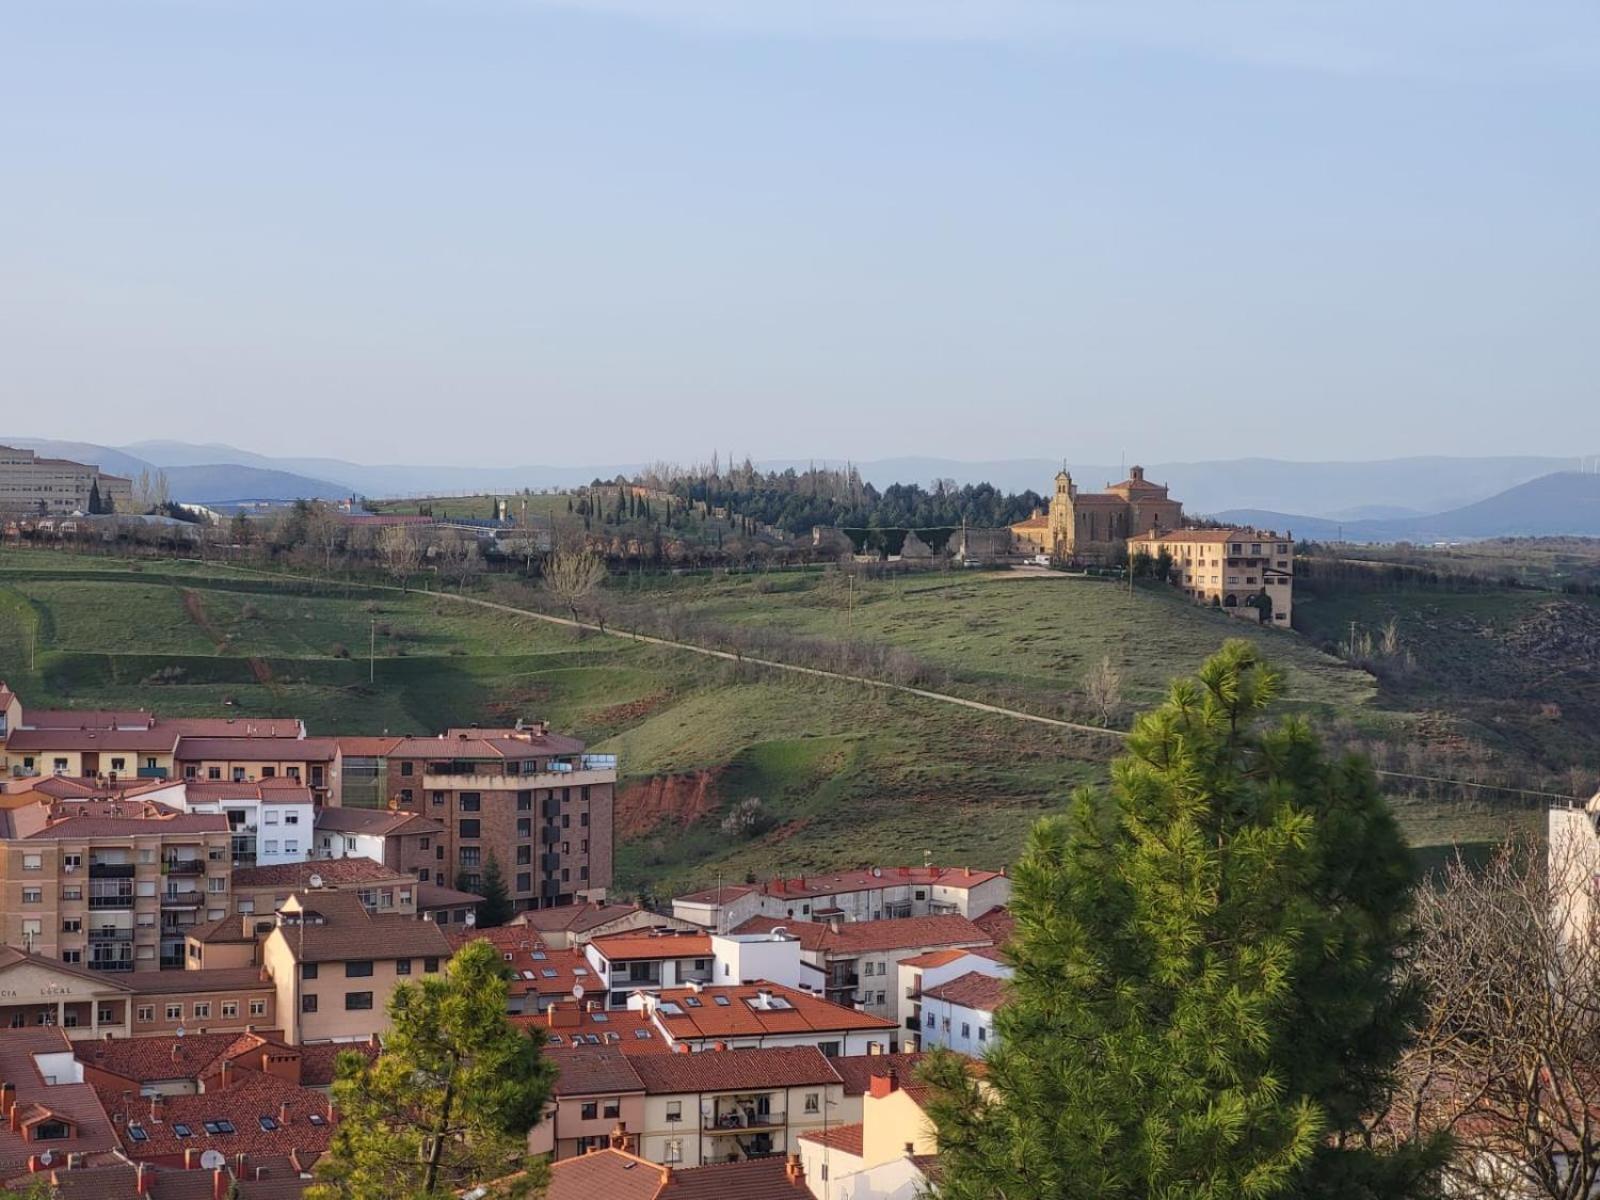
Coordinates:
<point>599,1018</point>
<point>268,1124</point>
<point>317,1119</point>
<point>642,1034</point>
<point>671,1009</point>
<point>548,972</point>
<point>722,1000</point>
<point>692,1001</point>
<point>538,956</point>
<point>137,1132</point>
<point>182,1130</point>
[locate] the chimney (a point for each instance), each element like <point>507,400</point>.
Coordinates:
<point>191,1158</point>
<point>141,1179</point>
<point>219,1183</point>
<point>719,1045</point>
<point>283,1113</point>
<point>882,1085</point>
<point>156,1105</point>
<point>967,871</point>
<point>793,1171</point>
<point>681,1048</point>
<point>8,1097</point>
<point>227,1074</point>
<point>16,1117</point>
<point>619,1139</point>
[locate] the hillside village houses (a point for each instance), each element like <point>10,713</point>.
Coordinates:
<point>868,894</point>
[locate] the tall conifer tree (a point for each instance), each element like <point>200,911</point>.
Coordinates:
<point>1206,1001</point>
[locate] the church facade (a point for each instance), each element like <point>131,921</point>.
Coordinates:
<point>1095,526</point>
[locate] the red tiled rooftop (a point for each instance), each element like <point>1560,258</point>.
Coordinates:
<point>630,947</point>
<point>255,1095</point>
<point>749,1179</point>
<point>844,1138</point>
<point>332,871</point>
<point>857,1070</point>
<point>973,990</point>
<point>606,1175</point>
<point>701,1015</point>
<point>867,937</point>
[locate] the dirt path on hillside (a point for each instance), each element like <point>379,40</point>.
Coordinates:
<point>195,608</point>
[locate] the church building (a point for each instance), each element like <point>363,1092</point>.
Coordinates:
<point>1095,526</point>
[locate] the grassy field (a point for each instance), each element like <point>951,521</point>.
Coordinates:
<point>843,773</point>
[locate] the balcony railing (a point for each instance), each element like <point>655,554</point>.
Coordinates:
<point>124,900</point>
<point>111,964</point>
<point>182,899</point>
<point>152,772</point>
<point>110,870</point>
<point>736,1123</point>
<point>110,935</point>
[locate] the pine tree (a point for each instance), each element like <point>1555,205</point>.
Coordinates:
<point>496,908</point>
<point>94,498</point>
<point>448,1103</point>
<point>1206,999</point>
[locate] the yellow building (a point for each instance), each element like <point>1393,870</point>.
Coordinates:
<point>1096,526</point>
<point>1248,573</point>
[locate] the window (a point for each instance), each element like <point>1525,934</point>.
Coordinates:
<point>471,856</point>
<point>406,769</point>
<point>271,846</point>
<point>308,1003</point>
<point>146,1014</point>
<point>674,1110</point>
<point>72,925</point>
<point>402,966</point>
<point>360,968</point>
<point>430,966</point>
<point>182,1130</point>
<point>72,893</point>
<point>216,884</point>
<point>32,862</point>
<point>230,1008</point>
<point>258,1008</point>
<point>829,1049</point>
<point>308,970</point>
<point>269,772</point>
<point>813,1102</point>
<point>51,1131</point>
<point>60,766</point>
<point>357,1001</point>
<point>406,797</point>
<point>272,816</point>
<point>174,1012</point>
<point>291,818</point>
<point>590,1110</point>
<point>469,828</point>
<point>108,1013</point>
<point>611,1110</point>
<point>268,1124</point>
<point>213,772</point>
<point>427,843</point>
<point>438,799</point>
<point>238,775</point>
<point>674,1150</point>
<point>524,827</point>
<point>119,764</point>
<point>32,895</point>
<point>471,802</point>
<point>966,1029</point>
<point>983,1033</point>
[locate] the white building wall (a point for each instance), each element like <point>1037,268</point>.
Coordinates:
<point>955,1027</point>
<point>745,958</point>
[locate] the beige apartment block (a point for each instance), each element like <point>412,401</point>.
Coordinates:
<point>58,486</point>
<point>1231,569</point>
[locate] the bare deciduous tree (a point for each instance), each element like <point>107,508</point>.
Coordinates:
<point>1103,689</point>
<point>572,576</point>
<point>399,551</point>
<point>1507,1058</point>
<point>458,557</point>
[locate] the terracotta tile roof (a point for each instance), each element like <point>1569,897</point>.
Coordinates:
<point>289,1110</point>
<point>576,918</point>
<point>998,923</point>
<point>1042,522</point>
<point>933,958</point>
<point>118,1181</point>
<point>85,718</point>
<point>374,822</point>
<point>333,872</point>
<point>40,740</point>
<point>562,1026</point>
<point>535,968</point>
<point>857,1070</point>
<point>75,1102</point>
<point>10,956</point>
<point>150,1059</point>
<point>234,727</point>
<point>866,937</point>
<point>130,826</point>
<point>861,879</point>
<point>634,947</point>
<point>973,990</point>
<point>278,790</point>
<point>733,1070</point>
<point>606,1175</point>
<point>751,1179</point>
<point>318,1059</point>
<point>247,749</point>
<point>703,1014</point>
<point>348,931</point>
<point>210,979</point>
<point>475,745</point>
<point>725,893</point>
<point>432,895</point>
<point>845,1138</point>
<point>367,747</point>
<point>597,1070</point>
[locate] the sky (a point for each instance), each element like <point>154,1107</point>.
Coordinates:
<point>573,231</point>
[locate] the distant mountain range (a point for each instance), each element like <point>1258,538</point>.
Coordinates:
<point>1566,503</point>
<point>1424,498</point>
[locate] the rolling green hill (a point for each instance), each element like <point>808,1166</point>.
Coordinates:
<point>824,772</point>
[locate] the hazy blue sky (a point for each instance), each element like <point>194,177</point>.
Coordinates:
<point>606,230</point>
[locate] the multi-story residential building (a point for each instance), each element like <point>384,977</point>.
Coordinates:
<point>859,961</point>
<point>270,819</point>
<point>110,884</point>
<point>1247,573</point>
<point>579,924</point>
<point>405,841</point>
<point>687,1110</point>
<point>334,965</point>
<point>531,799</point>
<point>890,1152</point>
<point>57,486</point>
<point>306,761</point>
<point>868,894</point>
<point>649,960</point>
<point>959,1014</point>
<point>938,967</point>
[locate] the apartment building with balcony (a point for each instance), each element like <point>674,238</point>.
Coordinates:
<point>110,885</point>
<point>530,798</point>
<point>271,820</point>
<point>1247,573</point>
<point>305,761</point>
<point>649,960</point>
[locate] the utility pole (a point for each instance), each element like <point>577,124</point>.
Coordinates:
<point>372,651</point>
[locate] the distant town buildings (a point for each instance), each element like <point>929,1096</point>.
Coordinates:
<point>1094,527</point>
<point>57,487</point>
<point>1248,573</point>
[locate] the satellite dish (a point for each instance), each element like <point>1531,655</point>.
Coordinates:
<point>472,918</point>
<point>181,1031</point>
<point>46,1158</point>
<point>212,1159</point>
<point>577,991</point>
<point>315,880</point>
